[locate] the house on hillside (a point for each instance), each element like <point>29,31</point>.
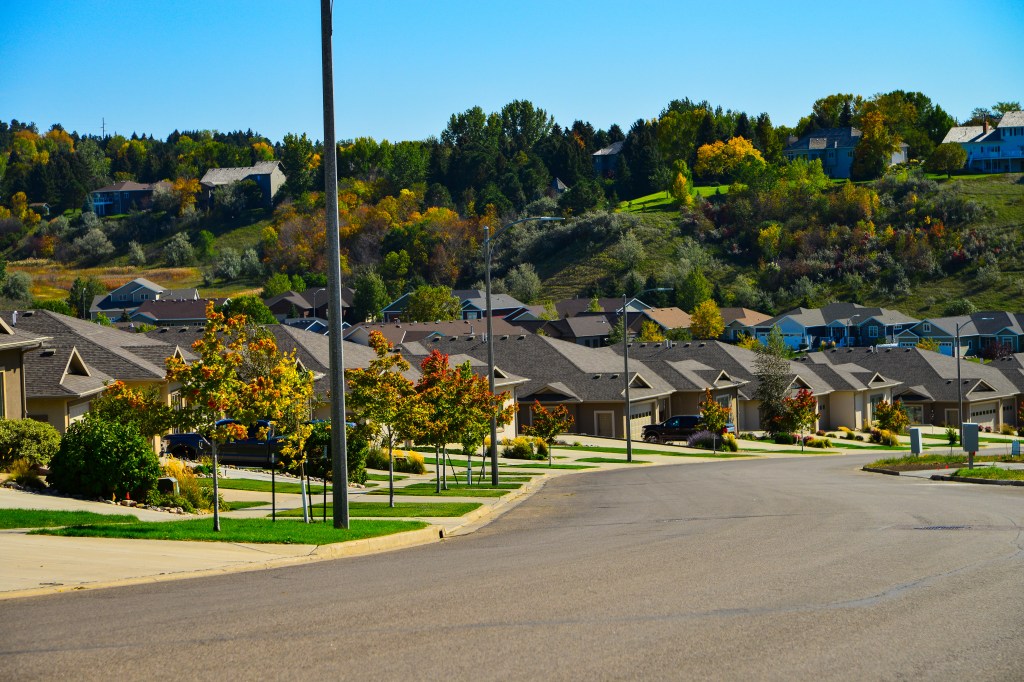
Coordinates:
<point>267,175</point>
<point>841,324</point>
<point>407,332</point>
<point>980,333</point>
<point>741,321</point>
<point>181,312</point>
<point>125,299</point>
<point>834,147</point>
<point>606,160</point>
<point>472,304</point>
<point>314,302</point>
<point>124,196</point>
<point>998,149</point>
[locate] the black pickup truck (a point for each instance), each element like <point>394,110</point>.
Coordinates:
<point>677,428</point>
<point>251,451</point>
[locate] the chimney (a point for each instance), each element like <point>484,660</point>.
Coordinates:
<point>984,126</point>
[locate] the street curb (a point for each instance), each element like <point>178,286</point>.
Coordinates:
<point>982,481</point>
<point>339,550</point>
<point>876,470</point>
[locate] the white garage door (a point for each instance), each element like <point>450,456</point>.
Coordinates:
<point>985,413</point>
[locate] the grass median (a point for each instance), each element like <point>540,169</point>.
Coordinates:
<point>261,486</point>
<point>541,465</point>
<point>454,490</point>
<point>611,460</point>
<point>991,473</point>
<point>382,510</point>
<point>911,462</point>
<point>48,518</point>
<point>238,530</point>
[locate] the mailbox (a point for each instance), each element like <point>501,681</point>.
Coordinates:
<point>970,436</point>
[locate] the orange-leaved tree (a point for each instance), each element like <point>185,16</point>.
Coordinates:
<point>240,373</point>
<point>385,400</point>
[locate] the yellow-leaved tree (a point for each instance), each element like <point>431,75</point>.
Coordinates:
<point>706,321</point>
<point>240,373</point>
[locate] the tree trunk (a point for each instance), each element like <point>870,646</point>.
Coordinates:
<point>216,489</point>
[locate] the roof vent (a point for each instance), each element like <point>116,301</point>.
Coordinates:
<point>643,345</point>
<point>47,352</point>
<point>504,337</point>
<point>521,337</point>
<point>470,338</point>
<point>702,344</point>
<point>686,345</point>
<point>183,329</point>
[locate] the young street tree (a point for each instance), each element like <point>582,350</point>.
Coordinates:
<point>240,373</point>
<point>801,411</point>
<point>547,424</point>
<point>380,397</point>
<point>771,367</point>
<point>714,416</point>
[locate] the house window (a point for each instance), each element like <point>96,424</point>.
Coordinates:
<point>873,332</point>
<point>926,328</point>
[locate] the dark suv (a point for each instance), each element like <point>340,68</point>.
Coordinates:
<point>249,451</point>
<point>677,428</point>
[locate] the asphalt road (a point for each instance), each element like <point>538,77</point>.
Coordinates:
<point>770,569</point>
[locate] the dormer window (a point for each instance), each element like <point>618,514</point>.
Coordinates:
<point>926,328</point>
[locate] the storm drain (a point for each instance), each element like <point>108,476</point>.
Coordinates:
<point>942,528</point>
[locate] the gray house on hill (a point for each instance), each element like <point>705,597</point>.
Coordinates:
<point>267,175</point>
<point>834,147</point>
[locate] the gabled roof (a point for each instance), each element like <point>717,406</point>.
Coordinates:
<point>847,314</point>
<point>14,336</point>
<point>982,323</point>
<point>53,372</point>
<point>1012,119</point>
<point>743,316</point>
<point>162,312</point>
<point>573,307</point>
<point>610,150</point>
<point>827,138</point>
<point>405,332</point>
<point>847,376</point>
<point>131,186</point>
<point>227,176</point>
<point>586,374</point>
<point>929,372</point>
<point>737,363</point>
<point>108,352</point>
<point>669,318</point>
<point>967,134</point>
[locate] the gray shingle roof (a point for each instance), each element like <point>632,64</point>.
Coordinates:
<point>827,138</point>
<point>610,150</point>
<point>934,372</point>
<point>965,134</point>
<point>227,176</point>
<point>1012,119</point>
<point>109,350</point>
<point>581,374</point>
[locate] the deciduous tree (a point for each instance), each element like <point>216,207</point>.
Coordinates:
<point>706,320</point>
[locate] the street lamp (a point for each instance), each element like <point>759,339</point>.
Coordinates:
<point>625,369</point>
<point>490,334</point>
<point>959,384</point>
<point>318,291</point>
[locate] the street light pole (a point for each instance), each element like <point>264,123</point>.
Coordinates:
<point>625,369</point>
<point>488,245</point>
<point>339,459</point>
<point>959,382</point>
<point>318,291</point>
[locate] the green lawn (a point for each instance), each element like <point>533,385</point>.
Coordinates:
<point>239,530</point>
<point>958,458</point>
<point>644,451</point>
<point>258,486</point>
<point>454,490</point>
<point>610,460</point>
<point>407,509</point>
<point>46,518</point>
<point>236,505</point>
<point>991,473</point>
<point>380,477</point>
<point>539,465</point>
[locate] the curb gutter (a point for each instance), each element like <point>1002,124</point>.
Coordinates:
<point>982,481</point>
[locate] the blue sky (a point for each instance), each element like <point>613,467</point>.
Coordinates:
<point>402,67</point>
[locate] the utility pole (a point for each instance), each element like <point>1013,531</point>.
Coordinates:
<point>339,459</point>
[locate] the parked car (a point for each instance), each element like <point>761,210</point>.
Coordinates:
<point>250,451</point>
<point>678,428</point>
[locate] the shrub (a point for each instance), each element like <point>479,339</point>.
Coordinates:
<point>702,439</point>
<point>519,448</point>
<point>952,436</point>
<point>98,458</point>
<point>785,439</point>
<point>23,472</point>
<point>884,437</point>
<point>27,439</point>
<point>542,448</point>
<point>1006,430</point>
<point>730,443</point>
<point>988,429</point>
<point>410,462</point>
<point>358,452</point>
<point>819,443</point>
<point>830,435</point>
<point>859,437</point>
<point>196,496</point>
<point>819,432</point>
<point>845,429</point>
<point>413,464</point>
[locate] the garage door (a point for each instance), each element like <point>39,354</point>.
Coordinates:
<point>985,413</point>
<point>637,423</point>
